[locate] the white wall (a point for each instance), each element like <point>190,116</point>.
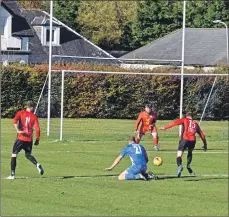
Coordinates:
<point>148,66</point>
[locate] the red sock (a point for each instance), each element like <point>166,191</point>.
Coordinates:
<point>137,140</point>
<point>155,141</point>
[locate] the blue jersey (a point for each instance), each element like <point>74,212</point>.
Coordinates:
<point>137,154</point>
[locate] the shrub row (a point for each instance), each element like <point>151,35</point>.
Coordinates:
<point>111,96</point>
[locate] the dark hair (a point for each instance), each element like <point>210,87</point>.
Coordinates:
<point>132,138</point>
<point>188,114</point>
<point>149,105</point>
<point>30,104</point>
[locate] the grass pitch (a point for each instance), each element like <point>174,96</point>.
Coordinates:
<point>74,182</point>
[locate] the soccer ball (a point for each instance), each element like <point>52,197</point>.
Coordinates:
<point>157,161</point>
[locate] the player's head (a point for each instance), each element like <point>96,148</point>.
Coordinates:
<point>188,115</point>
<point>148,108</point>
<point>30,105</point>
<point>131,139</point>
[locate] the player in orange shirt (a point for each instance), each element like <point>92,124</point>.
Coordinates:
<point>188,140</point>
<point>146,123</point>
<point>24,122</point>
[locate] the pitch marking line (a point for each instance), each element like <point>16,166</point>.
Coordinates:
<point>115,176</point>
<point>106,151</point>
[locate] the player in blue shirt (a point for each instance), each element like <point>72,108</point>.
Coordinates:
<point>139,159</point>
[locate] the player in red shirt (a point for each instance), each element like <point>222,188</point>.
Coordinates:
<point>188,140</point>
<point>24,122</point>
<point>146,122</point>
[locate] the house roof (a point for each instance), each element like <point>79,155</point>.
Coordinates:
<point>203,47</point>
<point>71,42</point>
<point>20,26</point>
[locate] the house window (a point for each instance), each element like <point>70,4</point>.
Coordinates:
<point>48,36</point>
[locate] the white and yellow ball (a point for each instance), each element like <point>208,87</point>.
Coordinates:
<point>157,161</point>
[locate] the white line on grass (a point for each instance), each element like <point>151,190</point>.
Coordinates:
<point>106,151</point>
<point>113,176</point>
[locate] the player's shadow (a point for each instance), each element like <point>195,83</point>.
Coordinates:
<point>173,177</point>
<point>196,149</point>
<point>205,179</point>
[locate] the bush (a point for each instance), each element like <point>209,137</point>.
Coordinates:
<point>112,96</point>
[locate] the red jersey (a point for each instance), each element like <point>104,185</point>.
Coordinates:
<point>189,128</point>
<point>26,122</point>
<point>145,120</point>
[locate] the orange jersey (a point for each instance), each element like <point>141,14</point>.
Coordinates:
<point>27,121</point>
<point>189,128</point>
<point>145,120</point>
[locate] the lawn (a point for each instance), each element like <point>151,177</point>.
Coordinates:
<point>74,182</point>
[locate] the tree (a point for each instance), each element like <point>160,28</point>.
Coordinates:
<point>31,4</point>
<point>66,11</point>
<point>156,18</point>
<point>107,23</point>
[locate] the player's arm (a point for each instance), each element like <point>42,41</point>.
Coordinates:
<point>202,136</point>
<point>118,159</point>
<point>172,124</point>
<point>38,132</point>
<point>116,162</point>
<point>15,122</point>
<point>138,121</point>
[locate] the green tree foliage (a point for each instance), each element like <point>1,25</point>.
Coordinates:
<point>66,11</point>
<point>31,4</point>
<point>107,23</point>
<point>156,18</point>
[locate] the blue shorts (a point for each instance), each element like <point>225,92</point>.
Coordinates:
<point>134,169</point>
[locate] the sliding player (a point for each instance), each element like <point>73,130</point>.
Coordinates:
<point>24,122</point>
<point>188,140</point>
<point>139,159</point>
<point>146,122</point>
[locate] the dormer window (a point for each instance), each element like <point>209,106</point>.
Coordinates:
<point>46,33</point>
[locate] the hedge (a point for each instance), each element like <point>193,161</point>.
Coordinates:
<point>112,96</point>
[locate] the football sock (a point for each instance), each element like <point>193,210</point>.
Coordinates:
<point>189,157</point>
<point>31,159</point>
<point>179,161</point>
<point>155,141</point>
<point>13,165</point>
<point>137,140</point>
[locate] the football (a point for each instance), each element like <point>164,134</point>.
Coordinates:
<point>157,161</point>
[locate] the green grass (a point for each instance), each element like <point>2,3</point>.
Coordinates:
<point>89,146</point>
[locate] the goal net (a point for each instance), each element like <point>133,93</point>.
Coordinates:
<point>79,94</point>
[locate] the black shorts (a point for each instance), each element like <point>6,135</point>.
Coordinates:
<point>186,144</point>
<point>19,145</point>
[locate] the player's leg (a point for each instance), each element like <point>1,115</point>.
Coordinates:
<point>191,146</point>
<point>132,173</point>
<point>139,135</point>
<point>180,151</point>
<point>16,149</point>
<point>28,150</point>
<point>155,138</point>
